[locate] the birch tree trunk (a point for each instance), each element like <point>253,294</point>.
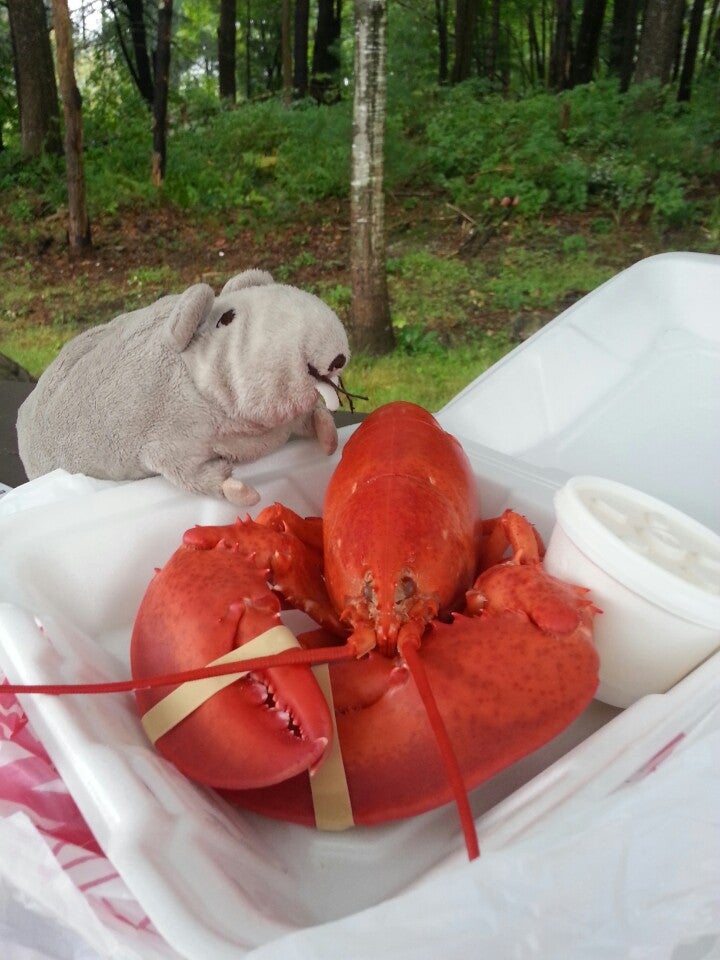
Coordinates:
<point>78,220</point>
<point>371,326</point>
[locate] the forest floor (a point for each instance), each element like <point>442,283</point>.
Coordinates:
<point>145,253</point>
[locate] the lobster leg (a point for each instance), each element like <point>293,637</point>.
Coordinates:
<point>288,547</point>
<point>519,584</point>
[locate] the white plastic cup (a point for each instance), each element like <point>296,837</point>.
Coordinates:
<point>655,574</point>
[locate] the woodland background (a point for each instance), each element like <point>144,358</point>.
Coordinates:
<point>532,148</point>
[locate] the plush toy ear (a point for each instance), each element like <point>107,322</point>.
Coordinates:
<point>249,278</point>
<point>188,313</point>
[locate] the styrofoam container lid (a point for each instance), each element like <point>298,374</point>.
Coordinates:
<point>655,550</point>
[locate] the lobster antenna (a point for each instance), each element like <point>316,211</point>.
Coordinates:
<point>447,753</point>
<point>286,658</point>
<point>342,392</point>
<point>312,655</point>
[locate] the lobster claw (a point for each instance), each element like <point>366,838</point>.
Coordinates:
<point>503,686</point>
<point>507,676</point>
<point>263,728</point>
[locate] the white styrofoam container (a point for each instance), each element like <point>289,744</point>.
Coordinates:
<point>625,385</point>
<point>592,392</point>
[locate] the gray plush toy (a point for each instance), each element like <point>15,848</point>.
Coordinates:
<point>188,387</point>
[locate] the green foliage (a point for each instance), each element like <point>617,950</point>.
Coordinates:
<point>667,198</point>
<point>590,147</point>
<point>336,295</point>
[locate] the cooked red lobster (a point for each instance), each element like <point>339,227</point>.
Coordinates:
<point>438,677</point>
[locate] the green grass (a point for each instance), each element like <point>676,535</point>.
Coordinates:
<point>428,379</point>
<point>35,348</point>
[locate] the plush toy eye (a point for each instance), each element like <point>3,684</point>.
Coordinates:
<point>338,362</point>
<point>226,318</point>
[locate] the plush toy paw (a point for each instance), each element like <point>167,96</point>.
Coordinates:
<point>239,493</point>
<point>325,429</point>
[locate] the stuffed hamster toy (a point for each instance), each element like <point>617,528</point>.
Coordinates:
<point>188,387</point>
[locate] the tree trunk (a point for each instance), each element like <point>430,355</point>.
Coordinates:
<point>248,38</point>
<point>715,45</point>
<point>466,12</point>
<point>227,44</point>
<point>537,63</point>
<point>300,48</point>
<point>137,57</point>
<point>34,78</point>
<point>623,41</point>
<point>78,221</point>
<point>691,49</point>
<point>658,41</point>
<point>371,326</point>
<point>441,21</point>
<point>286,50</point>
<point>162,84</point>
<point>561,53</point>
<point>326,62</point>
<point>588,41</point>
<point>493,47</point>
<point>712,36</point>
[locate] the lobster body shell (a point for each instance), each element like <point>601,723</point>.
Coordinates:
<point>401,522</point>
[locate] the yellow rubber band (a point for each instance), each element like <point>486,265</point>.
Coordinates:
<point>185,699</point>
<point>329,786</point>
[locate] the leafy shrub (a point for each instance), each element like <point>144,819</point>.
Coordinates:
<point>588,148</point>
<point>668,199</point>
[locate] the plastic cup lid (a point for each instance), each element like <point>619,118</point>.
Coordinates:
<point>655,550</point>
